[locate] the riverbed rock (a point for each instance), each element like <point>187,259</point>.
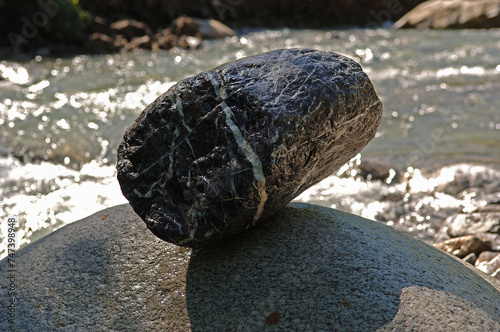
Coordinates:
<point>212,29</point>
<point>101,43</point>
<point>310,269</point>
<point>486,256</point>
<point>143,42</point>
<point>490,267</point>
<point>480,221</point>
<point>166,39</point>
<point>226,148</point>
<point>470,258</point>
<point>453,14</point>
<point>185,25</point>
<point>130,29</point>
<point>464,245</point>
<point>489,262</point>
<point>464,179</point>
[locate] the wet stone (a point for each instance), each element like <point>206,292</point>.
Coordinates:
<point>229,147</point>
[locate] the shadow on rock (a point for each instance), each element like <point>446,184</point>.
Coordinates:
<point>309,268</point>
<point>314,268</point>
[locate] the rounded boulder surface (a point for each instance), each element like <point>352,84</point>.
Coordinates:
<point>310,268</point>
<point>222,150</point>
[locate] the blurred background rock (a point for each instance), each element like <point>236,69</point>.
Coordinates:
<point>59,26</point>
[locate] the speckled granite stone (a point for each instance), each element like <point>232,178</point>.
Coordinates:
<point>226,148</point>
<point>108,273</point>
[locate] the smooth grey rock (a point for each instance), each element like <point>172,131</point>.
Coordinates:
<point>310,268</point>
<point>226,148</point>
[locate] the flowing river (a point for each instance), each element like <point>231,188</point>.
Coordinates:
<point>63,118</point>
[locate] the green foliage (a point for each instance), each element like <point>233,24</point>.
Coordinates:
<point>71,22</point>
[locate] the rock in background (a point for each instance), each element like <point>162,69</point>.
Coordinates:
<point>310,269</point>
<point>453,14</point>
<point>485,219</point>
<point>129,35</point>
<point>481,249</point>
<point>62,27</point>
<point>465,245</point>
<point>224,149</point>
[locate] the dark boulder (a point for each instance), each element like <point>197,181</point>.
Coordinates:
<point>231,146</point>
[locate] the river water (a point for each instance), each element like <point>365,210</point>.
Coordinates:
<point>62,119</point>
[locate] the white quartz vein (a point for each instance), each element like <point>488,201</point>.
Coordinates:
<point>246,148</point>
<point>251,156</point>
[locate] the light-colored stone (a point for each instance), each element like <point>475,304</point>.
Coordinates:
<point>214,29</point>
<point>130,28</point>
<point>309,268</point>
<point>486,256</point>
<point>470,258</point>
<point>453,14</point>
<point>491,266</point>
<point>473,223</point>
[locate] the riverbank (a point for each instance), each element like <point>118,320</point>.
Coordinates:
<point>60,27</point>
<point>66,28</point>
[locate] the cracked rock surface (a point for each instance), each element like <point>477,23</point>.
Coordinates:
<point>224,149</point>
